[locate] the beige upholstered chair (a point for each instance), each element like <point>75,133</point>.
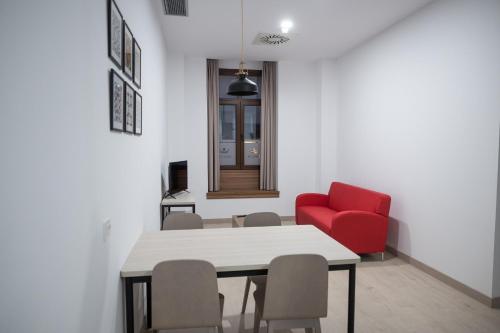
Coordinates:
<point>181,221</point>
<point>265,219</point>
<point>296,293</point>
<point>185,295</point>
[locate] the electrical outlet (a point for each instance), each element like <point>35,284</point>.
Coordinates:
<point>106,229</point>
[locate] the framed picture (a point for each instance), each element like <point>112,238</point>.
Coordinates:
<point>128,42</point>
<point>128,110</point>
<point>137,64</point>
<point>116,101</point>
<point>115,32</point>
<point>138,114</point>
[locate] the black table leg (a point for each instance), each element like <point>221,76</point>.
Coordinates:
<point>129,305</point>
<point>129,300</point>
<point>162,216</point>
<point>148,300</point>
<point>352,297</point>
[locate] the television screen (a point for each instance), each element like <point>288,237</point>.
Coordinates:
<point>177,177</point>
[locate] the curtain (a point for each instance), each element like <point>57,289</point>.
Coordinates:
<point>268,127</point>
<point>213,125</point>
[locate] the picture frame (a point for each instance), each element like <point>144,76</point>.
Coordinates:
<point>128,108</point>
<point>115,32</point>
<point>128,49</point>
<point>116,101</point>
<point>137,59</point>
<point>137,114</point>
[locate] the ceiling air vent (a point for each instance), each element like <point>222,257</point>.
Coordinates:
<point>270,39</point>
<point>175,7</point>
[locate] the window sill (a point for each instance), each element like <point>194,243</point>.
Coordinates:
<point>242,194</point>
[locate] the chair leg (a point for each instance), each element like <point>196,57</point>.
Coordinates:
<point>270,326</point>
<point>317,326</point>
<point>309,330</point>
<point>256,320</point>
<point>382,256</point>
<point>245,296</point>
<point>220,329</point>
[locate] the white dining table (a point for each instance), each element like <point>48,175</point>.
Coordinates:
<point>234,252</point>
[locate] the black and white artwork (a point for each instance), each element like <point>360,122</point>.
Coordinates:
<point>138,114</point>
<point>116,98</point>
<point>129,109</point>
<point>128,42</point>
<point>115,32</point>
<point>137,64</point>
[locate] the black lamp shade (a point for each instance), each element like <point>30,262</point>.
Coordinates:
<point>242,86</point>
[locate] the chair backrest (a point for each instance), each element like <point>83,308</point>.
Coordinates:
<point>181,221</point>
<point>348,197</point>
<point>184,295</point>
<point>297,287</point>
<point>265,219</point>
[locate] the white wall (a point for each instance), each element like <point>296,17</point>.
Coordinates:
<point>297,139</point>
<point>63,172</point>
<point>496,259</point>
<point>419,116</point>
<point>175,106</point>
<point>327,124</point>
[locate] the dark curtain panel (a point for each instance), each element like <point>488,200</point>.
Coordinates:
<point>268,128</point>
<point>213,125</point>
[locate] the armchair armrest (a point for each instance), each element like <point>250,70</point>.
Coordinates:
<point>360,231</point>
<point>311,199</point>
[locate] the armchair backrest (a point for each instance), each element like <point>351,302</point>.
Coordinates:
<point>348,197</point>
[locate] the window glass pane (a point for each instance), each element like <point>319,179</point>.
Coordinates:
<point>227,134</point>
<point>252,135</point>
<point>224,81</point>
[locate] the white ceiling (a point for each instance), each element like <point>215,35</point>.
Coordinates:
<point>322,28</point>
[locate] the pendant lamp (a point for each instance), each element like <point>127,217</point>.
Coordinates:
<point>242,85</point>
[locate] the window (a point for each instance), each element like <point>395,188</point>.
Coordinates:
<point>239,125</point>
<point>239,138</point>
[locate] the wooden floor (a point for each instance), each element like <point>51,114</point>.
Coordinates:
<point>391,296</point>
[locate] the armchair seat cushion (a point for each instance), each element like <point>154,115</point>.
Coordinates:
<point>319,216</point>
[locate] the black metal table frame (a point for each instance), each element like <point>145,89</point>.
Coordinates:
<point>130,281</point>
<point>168,206</point>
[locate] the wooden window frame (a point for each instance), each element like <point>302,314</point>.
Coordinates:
<point>239,104</point>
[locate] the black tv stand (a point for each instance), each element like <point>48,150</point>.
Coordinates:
<point>179,200</point>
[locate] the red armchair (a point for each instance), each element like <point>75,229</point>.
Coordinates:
<point>354,216</point>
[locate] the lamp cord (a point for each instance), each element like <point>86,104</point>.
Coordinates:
<point>241,53</point>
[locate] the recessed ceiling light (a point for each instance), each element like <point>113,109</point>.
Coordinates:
<point>286,25</point>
